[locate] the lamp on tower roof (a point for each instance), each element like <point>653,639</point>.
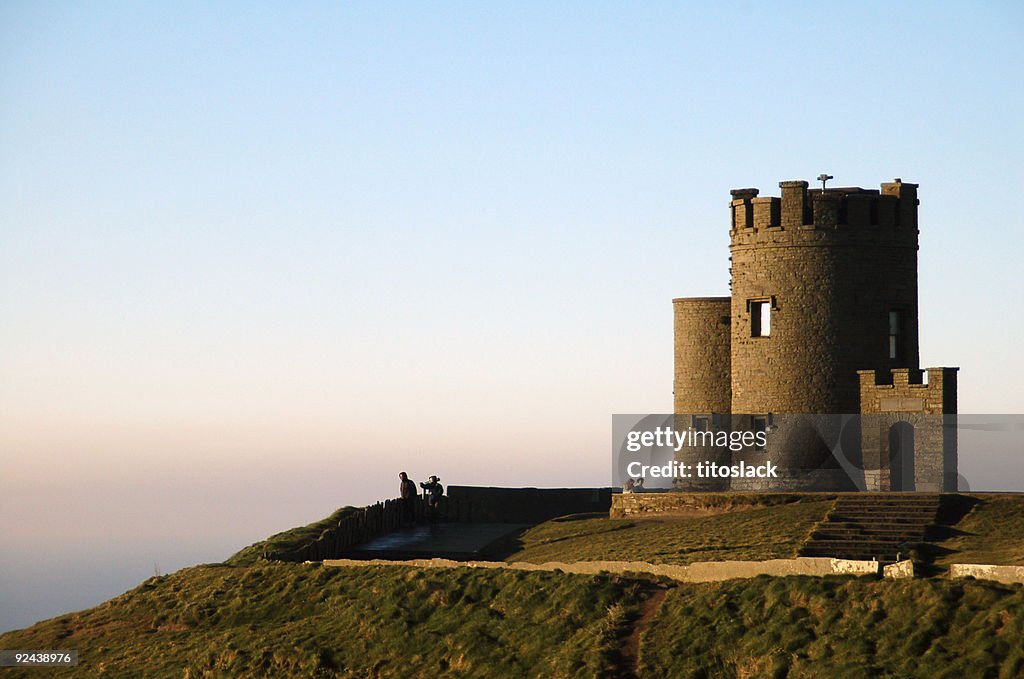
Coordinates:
<point>824,178</point>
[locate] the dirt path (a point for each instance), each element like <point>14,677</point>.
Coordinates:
<point>629,651</point>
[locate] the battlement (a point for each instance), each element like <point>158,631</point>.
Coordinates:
<point>905,377</point>
<point>906,390</point>
<point>888,214</point>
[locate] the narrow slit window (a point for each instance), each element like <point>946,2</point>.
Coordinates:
<point>759,424</point>
<point>760,319</point>
<point>896,340</point>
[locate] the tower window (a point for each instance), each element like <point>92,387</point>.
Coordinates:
<point>759,424</point>
<point>896,336</point>
<point>760,318</point>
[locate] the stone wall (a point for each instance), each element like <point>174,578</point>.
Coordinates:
<point>1006,574</point>
<point>528,505</point>
<point>899,570</point>
<point>354,528</point>
<point>702,374</point>
<point>900,396</point>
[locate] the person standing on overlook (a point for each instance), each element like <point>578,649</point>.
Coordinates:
<point>407,491</point>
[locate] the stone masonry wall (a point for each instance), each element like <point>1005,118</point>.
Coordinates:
<point>702,374</point>
<point>899,396</point>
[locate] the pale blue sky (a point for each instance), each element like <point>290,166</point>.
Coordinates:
<point>255,258</point>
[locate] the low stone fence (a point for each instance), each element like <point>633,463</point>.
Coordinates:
<point>364,524</point>
<point>900,569</point>
<point>461,504</point>
<point>529,505</point>
<point>701,571</point>
<point>1004,574</point>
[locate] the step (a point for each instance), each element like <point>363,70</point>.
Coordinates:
<point>883,528</point>
<point>834,540</point>
<point>888,497</point>
<point>865,549</point>
<point>881,557</point>
<point>885,525</point>
<point>825,534</point>
<point>877,500</point>
<point>886,508</point>
<point>865,553</point>
<point>877,527</point>
<point>881,517</point>
<point>844,503</point>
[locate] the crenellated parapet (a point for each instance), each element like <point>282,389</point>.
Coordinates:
<point>805,216</point>
<point>904,390</point>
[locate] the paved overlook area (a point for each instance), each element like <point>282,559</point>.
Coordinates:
<point>458,541</point>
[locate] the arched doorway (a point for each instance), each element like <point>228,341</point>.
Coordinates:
<point>901,456</point>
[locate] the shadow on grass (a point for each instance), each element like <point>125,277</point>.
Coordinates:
<point>501,549</point>
<point>580,517</point>
<point>954,507</point>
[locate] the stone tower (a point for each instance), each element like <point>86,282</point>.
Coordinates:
<point>822,274</point>
<point>823,285</point>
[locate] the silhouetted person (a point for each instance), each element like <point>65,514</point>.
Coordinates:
<point>434,491</point>
<point>407,491</point>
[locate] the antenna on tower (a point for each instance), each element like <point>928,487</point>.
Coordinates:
<point>824,178</point>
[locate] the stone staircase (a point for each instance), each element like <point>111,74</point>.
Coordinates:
<point>878,526</point>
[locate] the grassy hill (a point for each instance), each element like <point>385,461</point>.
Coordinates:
<point>753,533</point>
<point>255,618</point>
<point>305,620</point>
<point>308,620</point>
<point>838,627</point>
<point>993,532</point>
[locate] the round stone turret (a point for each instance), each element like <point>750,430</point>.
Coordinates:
<point>824,282</point>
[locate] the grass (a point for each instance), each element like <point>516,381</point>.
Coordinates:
<point>800,627</point>
<point>290,539</point>
<point>993,532</point>
<point>279,619</point>
<point>752,534</point>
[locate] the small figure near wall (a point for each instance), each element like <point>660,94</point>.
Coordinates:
<point>434,490</point>
<point>407,491</point>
